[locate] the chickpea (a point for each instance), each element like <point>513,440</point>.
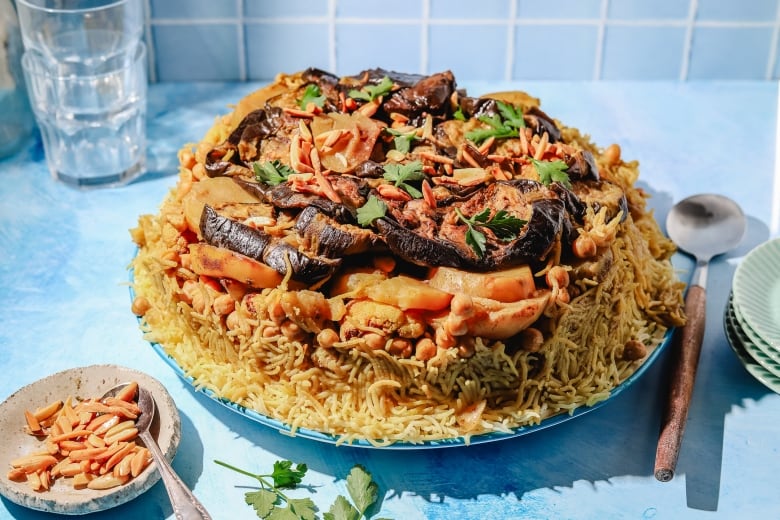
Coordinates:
<point>270,331</point>
<point>532,339</point>
<point>327,338</point>
<point>140,306</point>
<point>292,330</point>
<point>374,341</point>
<point>466,348</point>
<point>612,154</point>
<point>584,247</point>
<point>633,350</point>
<point>444,339</point>
<point>400,347</point>
<point>425,349</point>
<point>223,304</point>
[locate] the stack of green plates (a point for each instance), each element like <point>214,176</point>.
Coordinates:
<point>752,317</point>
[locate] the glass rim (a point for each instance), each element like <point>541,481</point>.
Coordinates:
<point>35,7</point>
<point>139,55</point>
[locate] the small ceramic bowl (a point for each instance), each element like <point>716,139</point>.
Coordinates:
<point>80,383</point>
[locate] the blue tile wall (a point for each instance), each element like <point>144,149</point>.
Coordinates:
<point>493,40</point>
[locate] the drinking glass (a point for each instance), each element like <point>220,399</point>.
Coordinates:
<point>83,32</point>
<point>93,123</point>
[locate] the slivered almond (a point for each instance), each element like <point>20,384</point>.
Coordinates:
<point>47,411</point>
<point>141,459</point>
<point>107,481</point>
<point>32,422</point>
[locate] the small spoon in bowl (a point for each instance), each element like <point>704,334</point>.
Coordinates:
<point>704,226</point>
<point>185,505</point>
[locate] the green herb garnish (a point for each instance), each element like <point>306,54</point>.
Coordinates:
<point>371,92</point>
<point>372,210</point>
<point>312,94</point>
<point>552,171</point>
<point>501,126</point>
<point>400,174</point>
<point>502,224</point>
<point>458,114</point>
<point>271,172</point>
<point>269,502</point>
<point>363,492</point>
<point>402,140</point>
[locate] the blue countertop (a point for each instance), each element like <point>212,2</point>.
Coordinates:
<point>64,302</point>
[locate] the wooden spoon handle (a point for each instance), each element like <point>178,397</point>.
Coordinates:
<point>687,349</point>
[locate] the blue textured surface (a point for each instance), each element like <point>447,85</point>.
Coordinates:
<point>529,39</point>
<point>64,303</point>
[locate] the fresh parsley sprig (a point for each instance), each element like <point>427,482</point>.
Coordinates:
<point>371,92</point>
<point>312,94</point>
<point>402,174</point>
<point>552,171</point>
<point>504,124</point>
<point>403,140</point>
<point>372,210</point>
<point>502,224</point>
<point>271,172</point>
<point>271,503</point>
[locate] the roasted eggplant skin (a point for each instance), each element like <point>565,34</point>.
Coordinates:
<point>221,231</point>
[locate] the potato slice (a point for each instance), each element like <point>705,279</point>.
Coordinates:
<point>509,285</point>
<point>406,293</point>
<point>212,191</point>
<point>213,261</point>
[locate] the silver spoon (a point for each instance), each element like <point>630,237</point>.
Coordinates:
<point>704,226</point>
<point>185,505</point>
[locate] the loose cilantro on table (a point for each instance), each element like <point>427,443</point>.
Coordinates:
<point>504,124</point>
<point>552,171</point>
<point>502,224</point>
<point>370,211</point>
<point>402,140</point>
<point>269,502</point>
<point>271,172</point>
<point>402,174</point>
<point>312,94</point>
<point>371,92</point>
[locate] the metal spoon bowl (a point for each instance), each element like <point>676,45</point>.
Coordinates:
<point>704,226</point>
<point>184,503</point>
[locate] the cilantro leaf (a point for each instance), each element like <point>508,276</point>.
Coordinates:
<point>459,115</point>
<point>271,172</point>
<point>312,94</point>
<point>361,488</point>
<point>342,510</point>
<point>401,140</point>
<point>262,500</point>
<point>552,171</point>
<point>371,92</point>
<point>285,476</point>
<point>372,210</point>
<point>504,226</point>
<point>399,174</point>
<point>501,126</point>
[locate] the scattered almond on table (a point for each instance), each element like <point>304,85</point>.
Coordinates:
<point>91,443</point>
